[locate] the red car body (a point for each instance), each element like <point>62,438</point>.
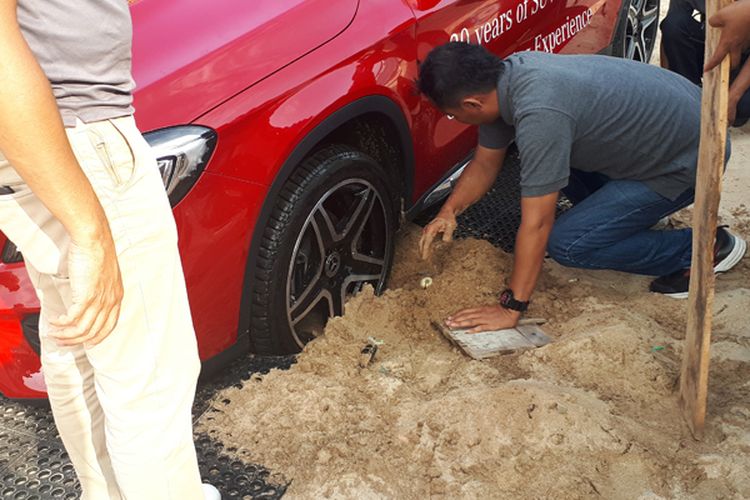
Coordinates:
<point>274,78</point>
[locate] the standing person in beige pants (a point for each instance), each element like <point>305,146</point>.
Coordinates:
<point>82,199</point>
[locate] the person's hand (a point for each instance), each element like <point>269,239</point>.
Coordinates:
<point>482,319</point>
<point>96,287</point>
<point>734,21</point>
<point>444,223</point>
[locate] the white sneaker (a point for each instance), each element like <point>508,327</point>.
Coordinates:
<point>210,492</point>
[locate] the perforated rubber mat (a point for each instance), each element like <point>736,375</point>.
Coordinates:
<point>496,216</point>
<point>35,466</point>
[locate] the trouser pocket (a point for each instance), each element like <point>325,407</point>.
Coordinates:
<point>114,152</point>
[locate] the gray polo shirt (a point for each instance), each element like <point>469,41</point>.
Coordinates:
<point>84,48</point>
<point>625,119</point>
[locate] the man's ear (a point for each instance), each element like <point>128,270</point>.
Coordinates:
<point>472,103</point>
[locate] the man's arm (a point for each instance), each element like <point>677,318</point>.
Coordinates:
<point>544,137</point>
<point>537,219</point>
<point>478,177</point>
<point>32,138</point>
<point>734,21</point>
<point>475,181</point>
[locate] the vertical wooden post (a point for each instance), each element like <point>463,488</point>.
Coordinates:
<point>711,155</point>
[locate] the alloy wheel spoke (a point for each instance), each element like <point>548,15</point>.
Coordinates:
<point>641,48</point>
<point>630,45</point>
<point>325,231</point>
<point>358,258</point>
<point>366,265</point>
<point>361,215</point>
<point>309,299</point>
<point>633,15</point>
<point>649,17</point>
<point>336,301</point>
<point>354,278</point>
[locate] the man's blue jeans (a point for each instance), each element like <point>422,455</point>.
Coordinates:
<point>609,227</point>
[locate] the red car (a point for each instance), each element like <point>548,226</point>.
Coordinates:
<point>290,138</point>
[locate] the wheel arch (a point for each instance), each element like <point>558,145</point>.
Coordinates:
<point>374,113</point>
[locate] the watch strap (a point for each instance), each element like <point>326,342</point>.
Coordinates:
<point>508,301</point>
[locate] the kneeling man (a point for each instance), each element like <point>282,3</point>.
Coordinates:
<point>617,137</point>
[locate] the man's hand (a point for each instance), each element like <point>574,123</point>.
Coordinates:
<point>445,223</point>
<point>476,179</point>
<point>482,319</point>
<point>97,293</point>
<point>734,21</point>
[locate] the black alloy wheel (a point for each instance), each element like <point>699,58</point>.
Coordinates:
<point>331,232</point>
<point>641,25</point>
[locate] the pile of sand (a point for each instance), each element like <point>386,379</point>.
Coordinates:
<point>593,414</point>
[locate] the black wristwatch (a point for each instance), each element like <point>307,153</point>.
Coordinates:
<point>508,301</point>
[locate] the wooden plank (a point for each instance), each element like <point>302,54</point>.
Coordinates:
<point>496,342</point>
<point>695,361</point>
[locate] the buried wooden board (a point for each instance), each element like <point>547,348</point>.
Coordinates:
<point>493,343</point>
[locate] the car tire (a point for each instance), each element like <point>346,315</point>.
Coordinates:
<point>636,30</point>
<point>330,232</point>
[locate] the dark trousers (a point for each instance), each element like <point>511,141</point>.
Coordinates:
<point>683,40</point>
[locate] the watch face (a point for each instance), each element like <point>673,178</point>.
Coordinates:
<point>508,301</point>
<point>505,298</point>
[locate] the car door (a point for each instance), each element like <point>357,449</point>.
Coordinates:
<point>503,27</point>
<point>210,51</point>
<point>445,143</point>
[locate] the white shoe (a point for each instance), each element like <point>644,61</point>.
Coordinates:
<point>210,492</point>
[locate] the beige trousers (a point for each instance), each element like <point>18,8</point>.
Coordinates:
<point>123,407</point>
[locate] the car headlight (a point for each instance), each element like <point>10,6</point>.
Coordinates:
<point>182,154</point>
<point>11,255</point>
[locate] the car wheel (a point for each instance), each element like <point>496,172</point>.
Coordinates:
<point>637,30</point>
<point>330,233</point>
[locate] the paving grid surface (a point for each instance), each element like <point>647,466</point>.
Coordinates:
<point>35,466</point>
<point>33,461</point>
<point>497,215</point>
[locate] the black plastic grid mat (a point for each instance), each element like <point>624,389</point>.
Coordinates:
<point>33,461</point>
<point>497,215</point>
<point>35,466</point>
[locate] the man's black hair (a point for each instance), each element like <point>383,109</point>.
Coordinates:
<point>457,69</point>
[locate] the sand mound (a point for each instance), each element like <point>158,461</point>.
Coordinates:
<point>592,415</point>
